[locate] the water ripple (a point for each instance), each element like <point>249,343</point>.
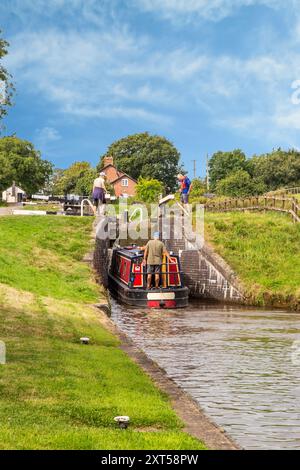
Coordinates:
<point>237,363</point>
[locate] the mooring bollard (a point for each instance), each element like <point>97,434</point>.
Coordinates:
<point>123,421</point>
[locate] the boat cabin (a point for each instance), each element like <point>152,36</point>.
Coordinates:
<point>127,266</point>
<point>128,280</point>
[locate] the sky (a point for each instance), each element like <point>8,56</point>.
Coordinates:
<point>209,75</point>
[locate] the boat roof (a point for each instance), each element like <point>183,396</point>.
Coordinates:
<point>130,252</point>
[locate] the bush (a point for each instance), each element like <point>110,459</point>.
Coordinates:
<point>240,184</point>
<point>149,190</point>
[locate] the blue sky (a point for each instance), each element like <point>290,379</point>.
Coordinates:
<point>208,74</point>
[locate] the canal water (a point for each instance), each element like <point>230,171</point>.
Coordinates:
<point>241,365</point>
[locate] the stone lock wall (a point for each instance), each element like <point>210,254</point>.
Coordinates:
<point>102,252</point>
<point>208,277</point>
<point>101,260</point>
<point>206,274</point>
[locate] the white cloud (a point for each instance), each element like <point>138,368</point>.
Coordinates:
<point>47,134</point>
<point>176,65</point>
<point>112,73</point>
<point>117,75</point>
<point>93,11</point>
<point>82,74</point>
<point>98,12</point>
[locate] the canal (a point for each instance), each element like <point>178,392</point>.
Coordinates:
<point>241,365</point>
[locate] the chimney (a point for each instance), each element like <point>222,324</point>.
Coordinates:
<point>108,161</point>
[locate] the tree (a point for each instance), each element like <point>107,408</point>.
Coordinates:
<point>278,168</point>
<point>146,156</point>
<point>149,190</point>
<point>78,178</point>
<point>6,86</point>
<point>20,162</point>
<point>84,185</point>
<point>223,164</point>
<point>54,183</point>
<point>198,188</point>
<point>240,184</point>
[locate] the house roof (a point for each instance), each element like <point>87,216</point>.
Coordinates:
<point>106,166</point>
<point>11,188</point>
<point>120,173</point>
<point>122,176</point>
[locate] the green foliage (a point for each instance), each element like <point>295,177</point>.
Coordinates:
<point>198,189</point>
<point>149,190</point>
<point>20,162</point>
<point>6,86</point>
<point>223,164</point>
<point>277,169</point>
<point>84,185</point>
<point>147,156</point>
<point>110,188</point>
<point>78,179</point>
<point>263,249</point>
<point>240,184</point>
<point>53,186</point>
<point>267,172</point>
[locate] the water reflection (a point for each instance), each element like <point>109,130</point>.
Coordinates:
<point>236,362</point>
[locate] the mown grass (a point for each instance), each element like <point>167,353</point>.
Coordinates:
<point>263,249</point>
<point>41,254</point>
<point>55,392</point>
<point>43,207</point>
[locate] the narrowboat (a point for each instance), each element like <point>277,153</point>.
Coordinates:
<point>127,280</point>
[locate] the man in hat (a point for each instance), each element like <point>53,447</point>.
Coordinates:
<point>99,191</point>
<point>153,258</point>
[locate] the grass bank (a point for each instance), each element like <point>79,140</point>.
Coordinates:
<point>56,393</point>
<point>43,207</point>
<point>264,250</point>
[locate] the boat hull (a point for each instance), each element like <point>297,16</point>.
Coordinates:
<point>154,298</point>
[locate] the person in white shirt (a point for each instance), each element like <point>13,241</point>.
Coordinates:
<point>99,191</point>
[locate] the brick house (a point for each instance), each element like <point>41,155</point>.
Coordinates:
<point>123,184</point>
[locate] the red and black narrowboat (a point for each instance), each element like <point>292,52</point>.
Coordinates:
<point>128,281</point>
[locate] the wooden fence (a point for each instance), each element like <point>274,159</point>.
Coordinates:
<point>285,192</point>
<point>286,205</point>
<point>292,190</point>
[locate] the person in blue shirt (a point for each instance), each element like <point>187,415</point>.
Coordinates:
<point>185,188</point>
